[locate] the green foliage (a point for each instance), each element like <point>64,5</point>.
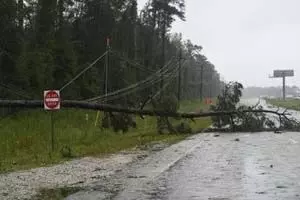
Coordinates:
<point>44,43</point>
<point>66,152</point>
<point>195,105</point>
<point>118,121</point>
<point>252,121</point>
<point>25,137</point>
<point>242,121</point>
<point>227,101</point>
<point>168,103</point>
<point>184,128</point>
<point>55,194</point>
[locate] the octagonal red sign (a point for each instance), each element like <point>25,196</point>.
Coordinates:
<point>51,100</point>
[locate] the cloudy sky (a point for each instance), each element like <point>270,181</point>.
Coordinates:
<point>246,39</point>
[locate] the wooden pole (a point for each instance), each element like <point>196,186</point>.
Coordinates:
<point>52,130</point>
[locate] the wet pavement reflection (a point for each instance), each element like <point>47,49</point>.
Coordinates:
<point>259,166</point>
<point>232,166</point>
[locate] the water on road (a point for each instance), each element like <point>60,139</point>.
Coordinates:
<point>258,166</point>
<point>225,166</point>
<point>243,166</point>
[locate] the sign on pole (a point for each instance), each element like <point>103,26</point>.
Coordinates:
<point>282,73</point>
<point>51,100</point>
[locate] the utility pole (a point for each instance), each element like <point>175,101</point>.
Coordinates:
<point>210,83</point>
<point>283,88</point>
<point>201,86</point>
<point>163,56</point>
<point>107,67</point>
<point>179,77</point>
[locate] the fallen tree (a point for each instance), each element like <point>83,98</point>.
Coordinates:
<point>226,114</point>
<point>112,108</point>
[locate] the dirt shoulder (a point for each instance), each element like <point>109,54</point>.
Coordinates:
<point>99,178</point>
<point>75,173</point>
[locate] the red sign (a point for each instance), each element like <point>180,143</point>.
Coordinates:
<point>51,100</point>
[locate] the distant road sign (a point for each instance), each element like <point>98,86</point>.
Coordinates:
<point>51,100</point>
<point>282,73</point>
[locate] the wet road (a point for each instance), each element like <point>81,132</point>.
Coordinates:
<point>228,166</point>
<point>251,102</point>
<point>260,166</point>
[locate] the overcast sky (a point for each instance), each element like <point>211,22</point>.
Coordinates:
<point>246,39</point>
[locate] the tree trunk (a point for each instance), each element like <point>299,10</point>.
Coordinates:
<point>112,108</point>
<point>21,15</point>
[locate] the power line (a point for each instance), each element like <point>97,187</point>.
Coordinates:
<point>170,77</point>
<point>18,93</point>
<point>132,63</point>
<point>83,71</point>
<point>165,86</point>
<point>173,75</point>
<point>150,80</point>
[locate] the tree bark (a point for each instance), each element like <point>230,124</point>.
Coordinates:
<point>113,108</point>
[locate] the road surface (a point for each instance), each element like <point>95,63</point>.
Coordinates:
<point>261,166</point>
<point>211,166</point>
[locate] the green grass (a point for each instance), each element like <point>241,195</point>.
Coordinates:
<point>55,194</point>
<point>293,104</point>
<point>25,138</point>
<point>194,106</point>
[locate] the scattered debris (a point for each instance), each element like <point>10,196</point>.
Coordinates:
<point>134,176</point>
<point>99,169</point>
<point>260,192</point>
<point>277,131</point>
<point>281,187</point>
<point>4,193</point>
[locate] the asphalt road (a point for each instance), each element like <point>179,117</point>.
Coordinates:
<point>228,166</point>
<point>261,166</point>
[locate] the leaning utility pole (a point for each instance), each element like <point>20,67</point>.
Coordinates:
<point>163,55</point>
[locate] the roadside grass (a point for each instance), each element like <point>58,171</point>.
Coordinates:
<point>293,104</point>
<point>55,194</point>
<point>25,138</point>
<point>194,105</point>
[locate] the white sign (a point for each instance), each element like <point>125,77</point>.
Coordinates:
<point>51,100</point>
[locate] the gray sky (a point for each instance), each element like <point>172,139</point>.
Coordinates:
<point>246,39</point>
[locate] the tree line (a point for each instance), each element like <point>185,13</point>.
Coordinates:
<point>270,91</point>
<point>45,43</point>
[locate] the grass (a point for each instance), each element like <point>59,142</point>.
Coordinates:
<point>293,104</point>
<point>194,105</point>
<point>25,138</point>
<point>55,194</point>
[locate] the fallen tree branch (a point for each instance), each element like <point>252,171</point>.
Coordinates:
<point>113,108</point>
